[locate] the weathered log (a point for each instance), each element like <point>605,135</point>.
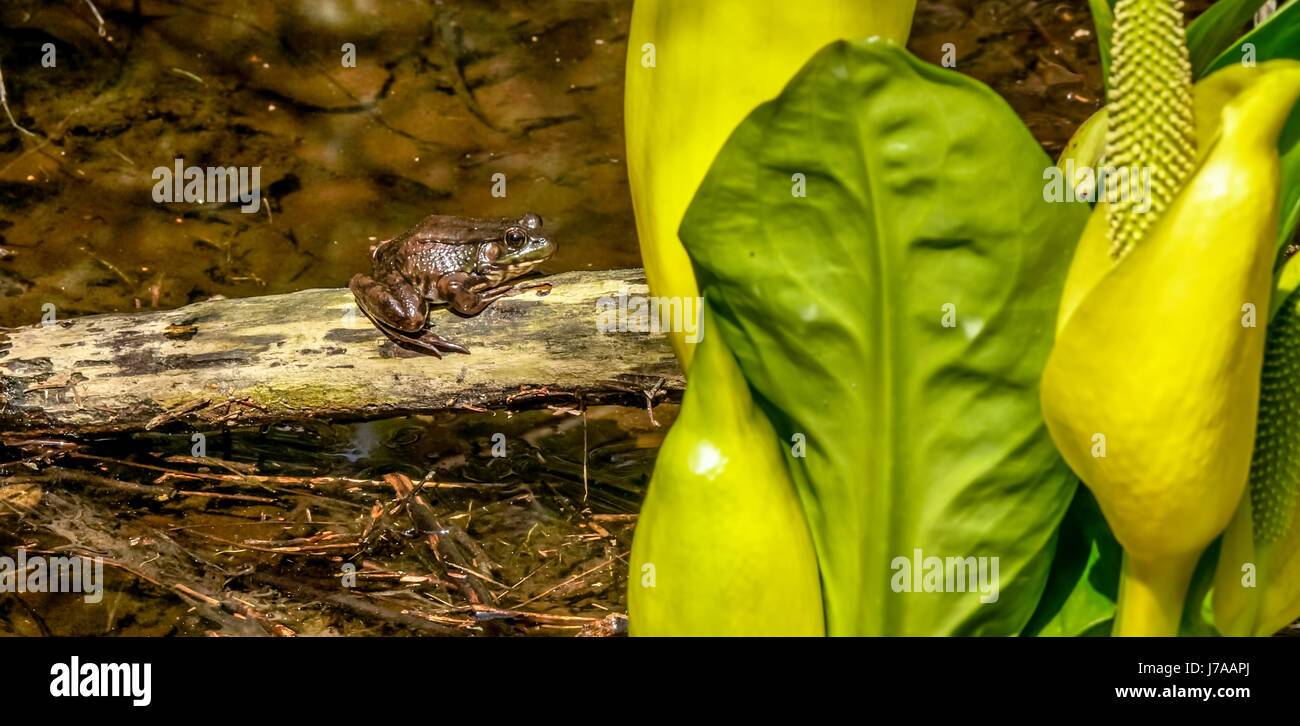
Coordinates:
<point>313,354</point>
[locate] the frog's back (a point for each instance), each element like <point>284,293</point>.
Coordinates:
<point>459,230</point>
<point>423,264</point>
<point>438,246</point>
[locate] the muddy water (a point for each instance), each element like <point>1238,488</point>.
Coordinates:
<point>444,96</point>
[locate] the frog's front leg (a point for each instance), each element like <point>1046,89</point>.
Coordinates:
<point>455,290</point>
<point>399,312</point>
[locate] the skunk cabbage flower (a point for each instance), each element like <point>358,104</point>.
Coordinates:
<point>1152,388</point>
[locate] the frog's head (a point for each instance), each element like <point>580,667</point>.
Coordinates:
<point>521,247</point>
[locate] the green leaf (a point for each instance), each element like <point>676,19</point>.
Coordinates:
<point>1277,37</point>
<point>1215,29</point>
<point>1103,18</point>
<point>924,197</point>
<point>1084,581</point>
<point>1081,591</point>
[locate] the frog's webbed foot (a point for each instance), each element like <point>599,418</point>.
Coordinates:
<point>426,341</point>
<point>543,288</point>
<point>491,295</point>
<point>430,342</point>
<point>399,313</point>
<point>516,289</point>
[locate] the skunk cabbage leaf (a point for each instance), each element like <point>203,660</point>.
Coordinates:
<point>878,251</point>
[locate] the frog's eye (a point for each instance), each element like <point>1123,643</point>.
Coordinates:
<point>514,238</point>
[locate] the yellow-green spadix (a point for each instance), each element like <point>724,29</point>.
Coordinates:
<point>1257,583</point>
<point>1152,388</point>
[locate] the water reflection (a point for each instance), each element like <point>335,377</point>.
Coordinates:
<point>443,96</point>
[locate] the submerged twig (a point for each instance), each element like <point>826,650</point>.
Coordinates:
<point>4,103</point>
<point>99,19</point>
<point>357,604</point>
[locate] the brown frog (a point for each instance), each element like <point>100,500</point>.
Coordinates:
<point>461,262</point>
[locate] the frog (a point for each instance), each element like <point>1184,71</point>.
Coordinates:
<point>463,263</point>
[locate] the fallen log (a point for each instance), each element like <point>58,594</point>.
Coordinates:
<point>312,354</point>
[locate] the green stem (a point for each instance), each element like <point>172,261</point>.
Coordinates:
<point>1151,595</point>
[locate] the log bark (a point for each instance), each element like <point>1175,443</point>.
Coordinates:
<point>312,354</point>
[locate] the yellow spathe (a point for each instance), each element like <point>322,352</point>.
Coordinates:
<point>695,70</point>
<point>722,546</point>
<point>1152,353</point>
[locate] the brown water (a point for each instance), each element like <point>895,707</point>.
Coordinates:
<point>444,95</point>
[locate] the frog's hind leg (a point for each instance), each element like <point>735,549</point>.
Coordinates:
<point>390,302</point>
<point>398,311</point>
